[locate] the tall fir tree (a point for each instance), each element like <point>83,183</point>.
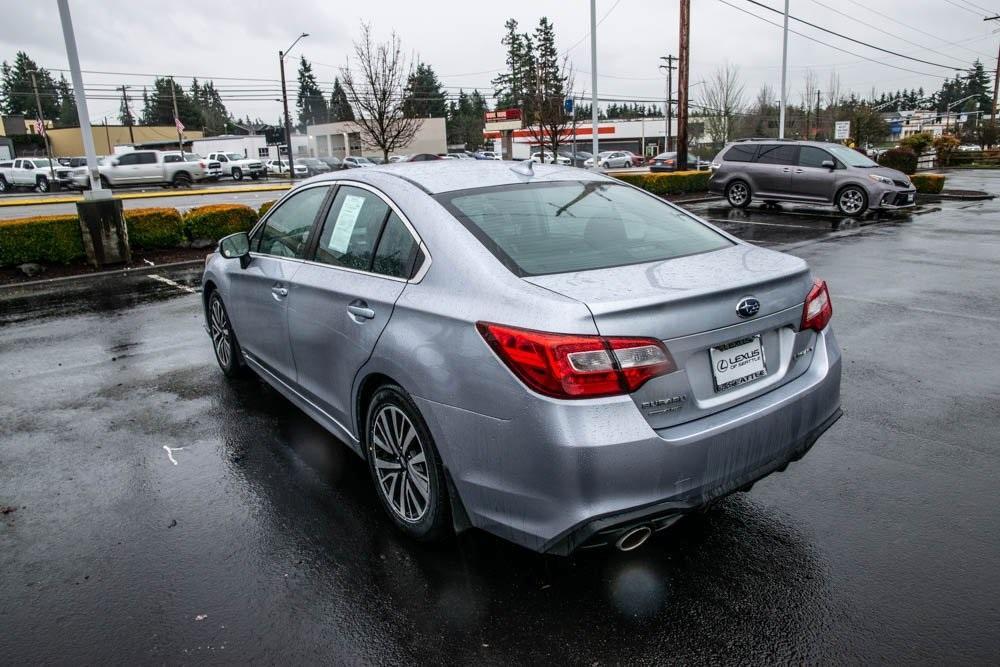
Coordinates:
<point>311,103</point>
<point>340,106</point>
<point>68,116</point>
<point>18,97</point>
<point>423,97</point>
<point>158,106</point>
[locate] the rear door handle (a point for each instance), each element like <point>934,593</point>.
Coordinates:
<point>787,169</point>
<point>361,309</point>
<point>799,171</point>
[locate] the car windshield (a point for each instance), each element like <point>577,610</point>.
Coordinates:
<point>849,156</point>
<point>542,228</point>
<point>40,162</point>
<point>191,157</point>
<point>234,156</point>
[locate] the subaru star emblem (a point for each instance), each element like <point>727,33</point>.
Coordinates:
<point>747,307</point>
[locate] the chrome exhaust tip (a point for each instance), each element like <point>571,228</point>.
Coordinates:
<point>634,538</point>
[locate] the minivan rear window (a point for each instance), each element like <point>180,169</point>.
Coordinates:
<point>562,227</point>
<point>743,153</point>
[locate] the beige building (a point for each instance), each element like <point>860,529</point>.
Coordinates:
<point>68,141</point>
<point>344,138</point>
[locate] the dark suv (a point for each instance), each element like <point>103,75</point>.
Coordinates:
<point>812,172</point>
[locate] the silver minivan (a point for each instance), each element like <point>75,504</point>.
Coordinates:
<point>811,172</point>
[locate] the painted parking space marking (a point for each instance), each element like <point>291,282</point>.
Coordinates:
<point>172,283</point>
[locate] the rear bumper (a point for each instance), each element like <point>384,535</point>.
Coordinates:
<point>566,474</point>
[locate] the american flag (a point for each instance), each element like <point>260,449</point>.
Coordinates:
<point>178,124</point>
<point>39,127</point>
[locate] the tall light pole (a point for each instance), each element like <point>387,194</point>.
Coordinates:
<point>284,99</point>
<point>784,76</point>
<point>593,82</point>
<point>81,101</point>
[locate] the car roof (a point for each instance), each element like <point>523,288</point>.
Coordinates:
<point>792,142</point>
<point>437,176</point>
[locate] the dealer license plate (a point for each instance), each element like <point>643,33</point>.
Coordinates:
<point>737,363</point>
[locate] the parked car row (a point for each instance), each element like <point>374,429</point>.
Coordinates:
<point>35,173</point>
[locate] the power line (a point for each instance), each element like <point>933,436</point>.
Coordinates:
<point>836,48</point>
<point>955,4</point>
<point>852,39</point>
<point>584,38</point>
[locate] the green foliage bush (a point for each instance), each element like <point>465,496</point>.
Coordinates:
<point>918,143</point>
<point>903,158</point>
<point>265,207</point>
<point>928,183</point>
<point>215,221</point>
<point>669,183</point>
<point>46,238</point>
<point>154,227</point>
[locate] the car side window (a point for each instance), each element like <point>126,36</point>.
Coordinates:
<point>286,231</point>
<point>150,158</point>
<point>810,156</point>
<point>780,154</point>
<point>397,250</point>
<point>740,153</point>
<point>351,229</point>
<point>127,159</point>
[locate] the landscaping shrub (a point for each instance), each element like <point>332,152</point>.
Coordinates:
<point>945,145</point>
<point>46,238</point>
<point>928,183</point>
<point>918,143</point>
<point>265,207</point>
<point>212,222</point>
<point>669,183</point>
<point>904,159</point>
<point>154,227</point>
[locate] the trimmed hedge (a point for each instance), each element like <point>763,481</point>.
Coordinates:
<point>669,183</point>
<point>44,238</point>
<point>902,159</point>
<point>215,221</point>
<point>155,227</point>
<point>931,184</point>
<point>265,207</point>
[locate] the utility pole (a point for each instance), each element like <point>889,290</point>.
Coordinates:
<point>41,129</point>
<point>784,76</point>
<point>682,86</point>
<point>128,115</point>
<point>996,79</point>
<point>288,120</point>
<point>817,112</point>
<point>177,119</point>
<point>670,67</point>
<point>593,81</point>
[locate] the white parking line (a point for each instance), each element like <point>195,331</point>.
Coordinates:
<point>932,311</point>
<point>170,453</point>
<point>767,224</point>
<point>172,283</point>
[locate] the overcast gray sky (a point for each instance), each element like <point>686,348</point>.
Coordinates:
<point>461,41</point>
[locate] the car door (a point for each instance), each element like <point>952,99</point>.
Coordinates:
<point>148,168</point>
<point>19,174</point>
<point>258,297</point>
<point>125,168</point>
<point>772,170</point>
<point>341,300</point>
<point>810,179</point>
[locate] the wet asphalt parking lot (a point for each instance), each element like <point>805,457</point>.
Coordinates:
<point>165,515</point>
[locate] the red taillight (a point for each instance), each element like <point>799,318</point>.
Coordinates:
<point>577,366</point>
<point>818,309</point>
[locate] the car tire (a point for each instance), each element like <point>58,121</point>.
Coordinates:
<point>738,194</point>
<point>4,185</point>
<point>254,177</point>
<point>852,201</point>
<point>405,466</point>
<point>42,185</point>
<point>182,180</point>
<point>237,174</point>
<point>105,183</point>
<point>227,349</point>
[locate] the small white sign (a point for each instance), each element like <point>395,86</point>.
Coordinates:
<point>346,219</point>
<point>842,129</point>
<point>737,363</point>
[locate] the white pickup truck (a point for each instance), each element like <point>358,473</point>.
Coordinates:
<point>35,173</point>
<point>238,166</point>
<point>155,167</point>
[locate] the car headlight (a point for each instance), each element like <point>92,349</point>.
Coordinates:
<point>880,179</point>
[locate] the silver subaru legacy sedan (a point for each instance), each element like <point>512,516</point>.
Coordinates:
<point>544,353</point>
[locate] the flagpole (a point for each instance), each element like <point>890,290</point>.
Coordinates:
<point>177,120</point>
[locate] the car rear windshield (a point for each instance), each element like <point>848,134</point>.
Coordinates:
<point>543,228</point>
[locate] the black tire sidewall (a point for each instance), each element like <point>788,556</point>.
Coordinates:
<point>4,186</point>
<point>864,196</point>
<point>42,184</point>
<point>235,354</point>
<point>434,524</point>
<point>746,202</point>
<point>237,174</point>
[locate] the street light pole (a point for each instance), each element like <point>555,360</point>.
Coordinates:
<point>81,101</point>
<point>284,100</point>
<point>784,76</point>
<point>593,83</point>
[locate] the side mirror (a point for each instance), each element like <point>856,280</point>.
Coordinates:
<point>114,163</point>
<point>829,164</point>
<point>236,246</point>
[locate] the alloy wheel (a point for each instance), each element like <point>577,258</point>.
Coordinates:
<point>738,194</point>
<point>851,201</point>
<point>400,463</point>
<point>221,338</point>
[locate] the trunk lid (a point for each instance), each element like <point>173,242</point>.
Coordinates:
<point>690,303</point>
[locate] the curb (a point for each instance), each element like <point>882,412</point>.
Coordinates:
<point>104,274</point>
<point>146,195</point>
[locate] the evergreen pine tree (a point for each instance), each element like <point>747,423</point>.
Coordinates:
<point>340,106</point>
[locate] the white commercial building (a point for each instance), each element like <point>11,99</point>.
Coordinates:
<point>344,138</point>
<point>642,137</point>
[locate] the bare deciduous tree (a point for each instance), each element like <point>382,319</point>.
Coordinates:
<point>810,86</point>
<point>722,101</point>
<point>376,92</point>
<point>546,101</point>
